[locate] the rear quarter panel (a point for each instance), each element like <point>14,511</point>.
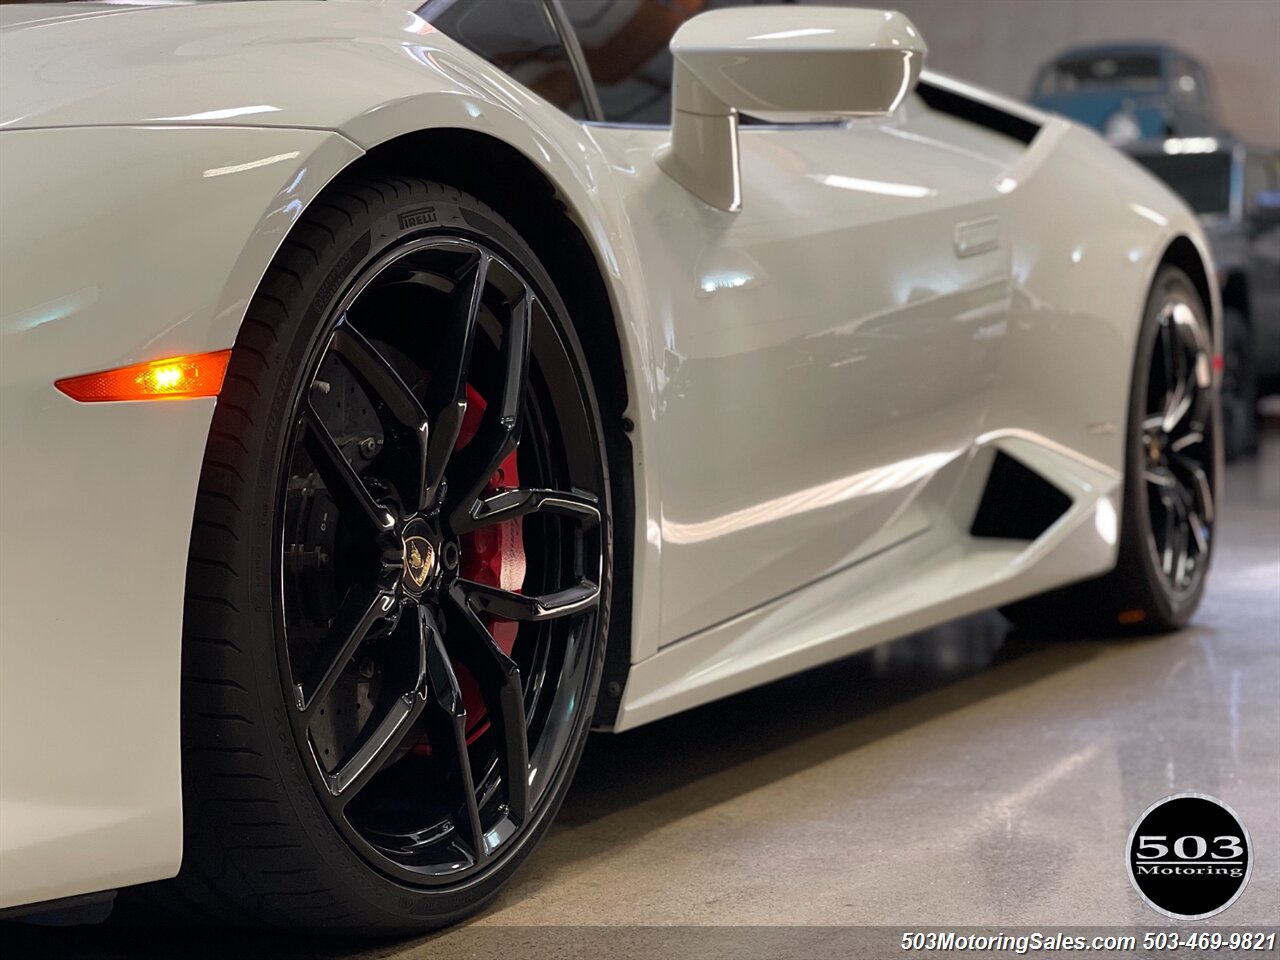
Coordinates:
<point>1089,229</point>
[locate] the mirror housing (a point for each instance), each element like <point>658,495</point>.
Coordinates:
<point>804,60</point>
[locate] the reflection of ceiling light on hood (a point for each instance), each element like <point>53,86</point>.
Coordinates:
<point>872,186</point>
<point>791,34</point>
<point>1190,145</point>
<point>226,113</point>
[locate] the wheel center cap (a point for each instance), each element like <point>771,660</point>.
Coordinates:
<point>419,556</point>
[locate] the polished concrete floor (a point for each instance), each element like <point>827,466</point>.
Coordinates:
<point>963,776</point>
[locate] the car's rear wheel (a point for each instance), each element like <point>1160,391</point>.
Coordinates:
<point>399,578</point>
<point>1170,486</point>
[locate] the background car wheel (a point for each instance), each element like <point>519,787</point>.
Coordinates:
<point>1239,388</point>
<point>399,577</point>
<point>1171,475</point>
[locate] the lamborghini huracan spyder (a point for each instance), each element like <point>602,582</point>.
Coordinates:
<point>392,392</point>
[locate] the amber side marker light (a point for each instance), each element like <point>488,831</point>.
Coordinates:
<point>196,375</point>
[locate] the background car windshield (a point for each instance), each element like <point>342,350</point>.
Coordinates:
<point>1132,72</point>
<point>1201,179</point>
<point>516,36</point>
<point>625,44</point>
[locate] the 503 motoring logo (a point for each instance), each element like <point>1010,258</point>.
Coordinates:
<point>1189,856</point>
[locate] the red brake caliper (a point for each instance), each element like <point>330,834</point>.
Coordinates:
<point>493,556</point>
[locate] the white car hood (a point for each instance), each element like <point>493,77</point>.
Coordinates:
<point>14,16</point>
<point>214,61</point>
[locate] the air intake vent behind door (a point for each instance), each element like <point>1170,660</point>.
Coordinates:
<point>1018,503</point>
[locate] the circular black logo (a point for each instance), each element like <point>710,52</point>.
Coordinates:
<point>1189,856</point>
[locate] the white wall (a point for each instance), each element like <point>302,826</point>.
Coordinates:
<point>1000,44</point>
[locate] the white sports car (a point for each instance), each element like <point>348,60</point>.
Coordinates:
<point>528,366</point>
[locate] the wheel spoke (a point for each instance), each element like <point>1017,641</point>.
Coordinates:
<point>447,727</point>
<point>359,611</point>
<point>1170,534</point>
<point>1194,504</point>
<point>383,741</point>
<point>506,605</point>
<point>510,504</point>
<point>499,430</point>
<point>1180,541</point>
<point>1188,519</point>
<point>446,401</point>
<point>1198,483</point>
<point>1176,404</point>
<point>1175,401</point>
<point>369,757</point>
<point>398,410</point>
<point>1197,525</point>
<point>340,478</point>
<point>1193,372</point>
<point>1166,350</point>
<point>499,680</point>
<point>1200,409</point>
<point>1159,477</point>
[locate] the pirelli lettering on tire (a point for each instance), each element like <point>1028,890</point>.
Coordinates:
<point>417,218</point>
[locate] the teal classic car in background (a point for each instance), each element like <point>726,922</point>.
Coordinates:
<point>1129,92</point>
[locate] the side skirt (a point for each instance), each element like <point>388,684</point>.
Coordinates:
<point>928,568</point>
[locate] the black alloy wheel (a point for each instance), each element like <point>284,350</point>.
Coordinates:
<point>1177,446</point>
<point>400,577</point>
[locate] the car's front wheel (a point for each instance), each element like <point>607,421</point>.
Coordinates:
<point>399,576</point>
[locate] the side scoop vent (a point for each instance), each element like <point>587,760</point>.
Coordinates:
<point>976,112</point>
<point>1017,503</point>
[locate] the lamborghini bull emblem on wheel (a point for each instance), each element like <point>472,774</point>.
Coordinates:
<point>419,560</point>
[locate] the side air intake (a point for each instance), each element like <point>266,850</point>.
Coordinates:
<point>976,112</point>
<point>1018,503</point>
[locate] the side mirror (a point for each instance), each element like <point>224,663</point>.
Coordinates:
<point>803,60</point>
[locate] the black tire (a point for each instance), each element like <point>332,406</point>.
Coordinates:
<point>1239,388</point>
<point>1138,596</point>
<point>262,842</point>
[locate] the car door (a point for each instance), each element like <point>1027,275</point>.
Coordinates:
<point>823,351</point>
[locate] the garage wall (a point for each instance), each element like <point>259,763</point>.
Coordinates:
<point>1000,43</point>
